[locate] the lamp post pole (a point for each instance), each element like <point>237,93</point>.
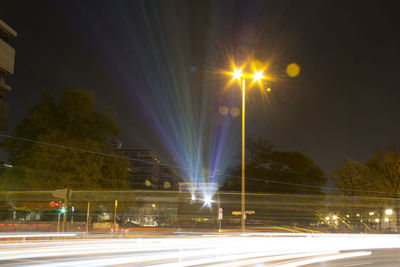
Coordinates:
<point>237,74</point>
<point>243,221</point>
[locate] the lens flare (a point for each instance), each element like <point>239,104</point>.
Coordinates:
<point>293,70</point>
<point>235,112</point>
<point>223,110</point>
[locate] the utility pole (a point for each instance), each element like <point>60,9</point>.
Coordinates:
<point>87,217</point>
<point>115,215</point>
<point>58,221</point>
<point>67,195</point>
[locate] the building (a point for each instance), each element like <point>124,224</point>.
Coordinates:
<point>7,57</point>
<point>145,166</point>
<point>168,178</point>
<point>146,170</point>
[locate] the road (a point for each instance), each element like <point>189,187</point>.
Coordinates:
<point>381,258</point>
<point>186,249</point>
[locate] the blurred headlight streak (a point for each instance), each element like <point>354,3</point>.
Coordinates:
<point>220,249</point>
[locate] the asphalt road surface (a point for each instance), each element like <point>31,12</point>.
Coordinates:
<point>201,250</point>
<point>381,258</point>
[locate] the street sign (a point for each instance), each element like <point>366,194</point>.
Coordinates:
<point>220,213</point>
<point>60,193</point>
<point>249,212</point>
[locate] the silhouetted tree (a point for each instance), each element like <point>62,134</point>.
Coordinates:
<point>268,170</point>
<point>55,146</point>
<point>379,174</point>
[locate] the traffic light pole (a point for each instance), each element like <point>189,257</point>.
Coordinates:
<point>87,217</point>
<point>115,215</point>
<point>58,221</point>
<point>67,193</point>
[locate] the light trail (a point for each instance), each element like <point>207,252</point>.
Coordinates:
<point>220,250</point>
<point>327,258</point>
<point>35,235</point>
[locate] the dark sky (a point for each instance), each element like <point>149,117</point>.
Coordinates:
<point>343,104</point>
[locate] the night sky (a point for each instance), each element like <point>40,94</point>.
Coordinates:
<point>343,104</point>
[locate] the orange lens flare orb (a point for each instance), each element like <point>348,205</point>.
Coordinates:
<point>293,70</point>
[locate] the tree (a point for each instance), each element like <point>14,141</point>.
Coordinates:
<point>65,143</point>
<point>384,171</point>
<point>379,176</point>
<point>350,177</point>
<point>378,179</point>
<point>268,170</point>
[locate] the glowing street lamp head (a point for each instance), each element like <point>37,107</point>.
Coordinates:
<point>258,75</point>
<point>237,74</point>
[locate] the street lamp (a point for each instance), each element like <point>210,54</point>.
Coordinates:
<point>241,77</point>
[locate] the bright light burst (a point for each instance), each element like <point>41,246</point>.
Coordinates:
<point>207,201</point>
<point>237,74</point>
<point>258,75</point>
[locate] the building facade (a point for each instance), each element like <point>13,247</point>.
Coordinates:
<point>148,173</point>
<point>7,58</point>
<point>145,166</point>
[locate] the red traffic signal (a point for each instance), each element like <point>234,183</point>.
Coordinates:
<point>57,205</point>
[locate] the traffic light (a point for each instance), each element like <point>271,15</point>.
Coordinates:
<point>55,204</point>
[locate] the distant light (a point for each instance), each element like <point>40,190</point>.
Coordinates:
<point>347,215</point>
<point>327,218</point>
<point>268,89</point>
<point>153,205</point>
<point>193,197</point>
<point>167,185</point>
<point>371,213</point>
<point>388,212</point>
<point>334,217</point>
<point>207,201</point>
<point>358,214</point>
<point>377,220</point>
<point>386,219</point>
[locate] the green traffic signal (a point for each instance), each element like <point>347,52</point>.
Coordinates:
<point>62,210</point>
